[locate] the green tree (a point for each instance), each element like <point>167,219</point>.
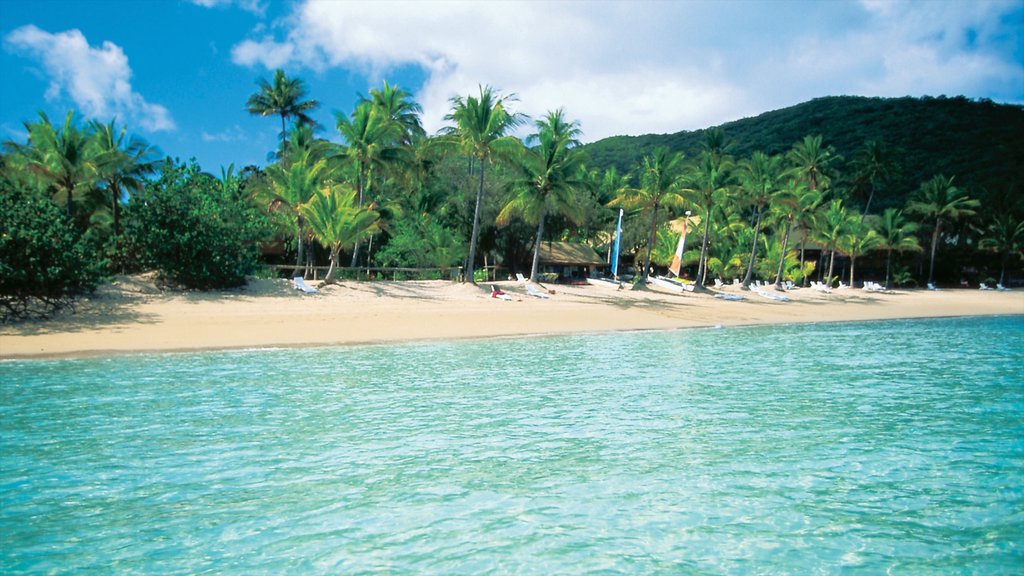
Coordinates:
<point>1004,236</point>
<point>337,221</point>
<point>550,174</point>
<point>122,164</point>
<point>399,107</point>
<point>941,202</point>
<point>834,223</point>
<point>283,98</point>
<point>708,180</point>
<point>791,202</point>
<point>758,178</point>
<point>64,159</point>
<point>859,239</point>
<point>897,236</point>
<point>482,125</point>
<point>286,187</point>
<point>874,166</point>
<point>660,179</point>
<point>812,161</point>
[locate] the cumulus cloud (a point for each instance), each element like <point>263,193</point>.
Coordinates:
<point>630,68</point>
<point>97,80</point>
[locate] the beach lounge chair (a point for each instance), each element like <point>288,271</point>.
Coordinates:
<point>932,286</point>
<point>497,293</point>
<point>300,284</point>
<point>769,295</point>
<point>725,296</point>
<point>532,291</point>
<point>520,277</point>
<point>718,283</point>
<point>1002,288</point>
<point>841,285</point>
<point>984,286</point>
<point>821,287</point>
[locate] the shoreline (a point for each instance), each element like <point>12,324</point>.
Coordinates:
<point>132,316</point>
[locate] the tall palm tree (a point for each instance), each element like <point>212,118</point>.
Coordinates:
<point>758,178</point>
<point>550,175</point>
<point>789,202</point>
<point>808,204</point>
<point>897,236</point>
<point>398,105</point>
<point>1004,236</point>
<point>284,98</point>
<point>660,186</point>
<point>812,161</point>
<point>873,164</point>
<point>122,164</point>
<point>64,159</point>
<point>288,187</point>
<point>859,239</point>
<point>940,201</point>
<point>337,221</point>
<point>834,223</point>
<point>481,131</point>
<point>709,179</point>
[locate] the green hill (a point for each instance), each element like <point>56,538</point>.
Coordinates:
<point>980,142</point>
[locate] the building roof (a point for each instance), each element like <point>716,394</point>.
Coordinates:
<point>569,253</point>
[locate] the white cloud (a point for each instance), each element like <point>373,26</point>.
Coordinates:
<point>97,80</point>
<point>257,7</point>
<point>232,134</point>
<point>630,68</point>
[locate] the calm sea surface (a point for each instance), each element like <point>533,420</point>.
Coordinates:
<point>855,448</point>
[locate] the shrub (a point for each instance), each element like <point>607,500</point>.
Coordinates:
<point>44,261</point>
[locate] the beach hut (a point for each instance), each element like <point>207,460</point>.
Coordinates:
<point>569,261</point>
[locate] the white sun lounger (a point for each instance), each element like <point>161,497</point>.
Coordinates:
<point>932,286</point>
<point>725,296</point>
<point>520,277</point>
<point>765,294</point>
<point>532,291</point>
<point>984,287</point>
<point>1002,288</point>
<point>497,293</point>
<point>300,284</point>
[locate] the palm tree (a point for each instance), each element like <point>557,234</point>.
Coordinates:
<point>660,186</point>
<point>859,239</point>
<point>874,165</point>
<point>288,187</point>
<point>283,98</point>
<point>835,223</point>
<point>121,164</point>
<point>791,202</point>
<point>709,180</point>
<point>550,175</point>
<point>808,203</point>
<point>338,222</point>
<point>63,159</point>
<point>940,201</point>
<point>482,124</point>
<point>811,160</point>
<point>1004,236</point>
<point>759,183</point>
<point>398,106</point>
<point>897,235</point>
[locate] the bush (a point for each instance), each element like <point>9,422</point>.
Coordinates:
<point>44,261</point>
<point>193,229</point>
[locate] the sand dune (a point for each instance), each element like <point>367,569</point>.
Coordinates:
<point>132,315</point>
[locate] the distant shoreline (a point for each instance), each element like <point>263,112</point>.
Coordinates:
<point>132,316</point>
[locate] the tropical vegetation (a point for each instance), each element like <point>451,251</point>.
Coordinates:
<point>774,198</point>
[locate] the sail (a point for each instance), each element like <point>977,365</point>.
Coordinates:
<point>615,247</point>
<point>677,260</point>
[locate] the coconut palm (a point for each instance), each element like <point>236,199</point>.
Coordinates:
<point>859,239</point>
<point>283,98</point>
<point>709,179</point>
<point>398,106</point>
<point>64,159</point>
<point>337,221</point>
<point>789,204</point>
<point>758,178</point>
<point>834,223</point>
<point>660,180</point>
<point>1004,236</point>
<point>122,165</point>
<point>940,201</point>
<point>482,125</point>
<point>288,187</point>
<point>873,165</point>
<point>897,235</point>
<point>812,161</point>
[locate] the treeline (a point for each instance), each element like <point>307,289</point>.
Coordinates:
<point>85,200</point>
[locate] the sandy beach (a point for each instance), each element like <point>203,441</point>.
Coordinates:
<point>131,315</point>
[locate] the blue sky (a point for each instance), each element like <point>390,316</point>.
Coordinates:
<point>178,72</point>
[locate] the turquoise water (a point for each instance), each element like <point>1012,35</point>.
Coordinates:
<point>854,448</point>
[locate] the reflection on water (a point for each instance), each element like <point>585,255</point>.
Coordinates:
<point>791,449</point>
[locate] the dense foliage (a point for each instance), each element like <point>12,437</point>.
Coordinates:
<point>194,229</point>
<point>44,261</point>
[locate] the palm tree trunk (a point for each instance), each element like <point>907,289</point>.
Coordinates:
<point>935,245</point>
<point>702,269</point>
<point>803,243</point>
<point>476,226</point>
<point>301,249</point>
<point>853,262</point>
<point>335,256</point>
<point>536,247</point>
<point>888,268</point>
<point>753,252</point>
<point>650,243</point>
<point>115,193</point>
<point>782,259</point>
<point>831,265</point>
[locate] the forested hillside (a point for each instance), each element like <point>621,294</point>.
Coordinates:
<point>980,142</point>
